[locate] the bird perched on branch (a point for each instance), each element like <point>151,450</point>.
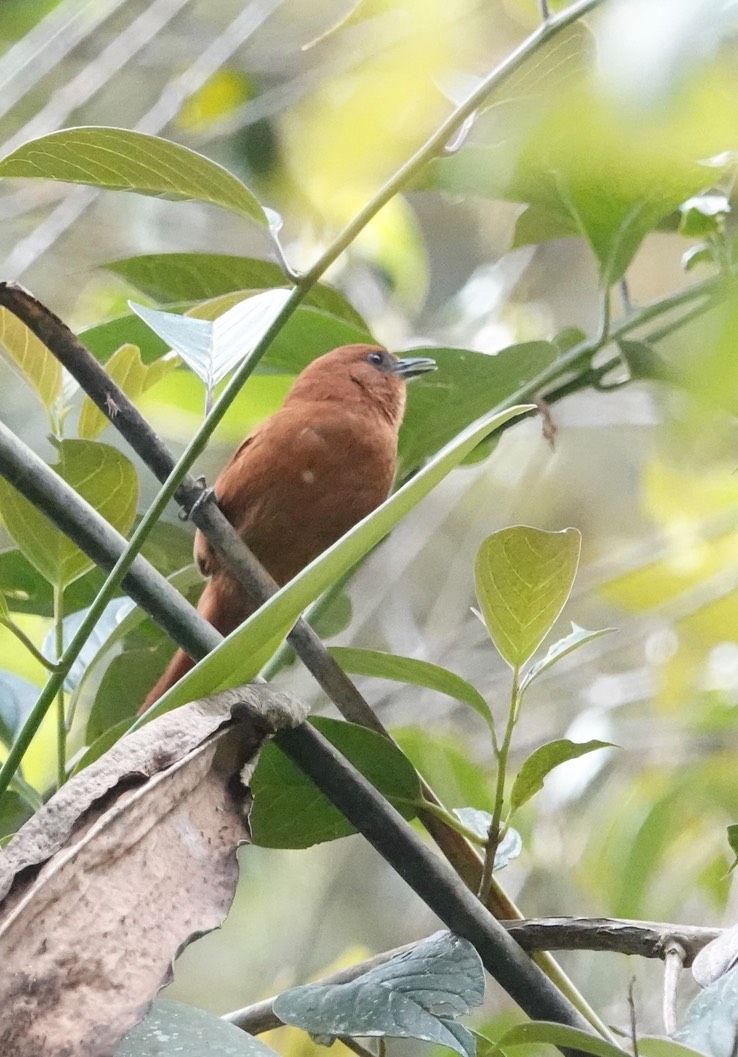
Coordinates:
<point>305,476</point>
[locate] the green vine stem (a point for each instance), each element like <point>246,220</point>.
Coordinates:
<point>61,719</point>
<point>32,648</point>
<point>495,834</point>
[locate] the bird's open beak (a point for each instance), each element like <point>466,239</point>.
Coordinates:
<point>412,366</point>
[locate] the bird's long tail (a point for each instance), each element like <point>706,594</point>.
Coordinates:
<point>225,606</point>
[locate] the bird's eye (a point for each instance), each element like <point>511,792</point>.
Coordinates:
<point>376,358</point>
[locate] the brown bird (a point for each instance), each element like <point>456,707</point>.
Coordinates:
<point>305,476</point>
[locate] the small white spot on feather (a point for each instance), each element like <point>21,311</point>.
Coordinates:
<point>308,476</point>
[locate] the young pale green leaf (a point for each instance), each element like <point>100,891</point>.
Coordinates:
<point>173,1027</point>
<point>523,577</point>
<point>181,277</point>
<point>416,995</point>
<point>560,1035</point>
<point>133,376</point>
<point>240,657</point>
<point>119,160</point>
<point>542,761</point>
<point>212,349</point>
<point>577,637</point>
<point>100,474</point>
<point>703,215</point>
<point>657,1046</point>
<point>290,812</point>
<point>30,357</point>
<point>408,670</point>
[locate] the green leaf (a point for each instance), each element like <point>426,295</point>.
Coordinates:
<point>577,637</point>
<point>119,160</point>
<point>466,385</point>
<point>542,761</point>
<point>101,475</point>
<point>30,357</point>
<point>703,215</point>
<point>172,1027</point>
<point>538,224</point>
<point>416,995</point>
<point>290,812</point>
<point>417,673</point>
<point>14,811</point>
<point>523,577</point>
<point>200,276</point>
<point>655,1046</point>
<point>644,362</point>
<point>241,656</point>
<point>560,1035</point>
<point>133,376</point>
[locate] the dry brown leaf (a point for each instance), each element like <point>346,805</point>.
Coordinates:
<point>121,869</point>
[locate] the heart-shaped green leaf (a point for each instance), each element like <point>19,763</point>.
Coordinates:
<point>523,577</point>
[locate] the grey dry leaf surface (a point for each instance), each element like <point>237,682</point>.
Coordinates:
<point>128,862</point>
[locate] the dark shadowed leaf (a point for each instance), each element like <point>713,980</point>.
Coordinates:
<point>188,1032</point>
<point>523,577</point>
<point>467,384</point>
<point>290,812</point>
<point>416,995</point>
<point>711,1024</point>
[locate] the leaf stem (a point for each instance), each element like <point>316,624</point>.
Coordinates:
<point>496,834</point>
<point>35,652</point>
<point>446,816</point>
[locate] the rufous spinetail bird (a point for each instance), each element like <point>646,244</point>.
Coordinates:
<point>305,476</point>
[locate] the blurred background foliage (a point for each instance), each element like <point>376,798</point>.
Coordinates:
<point>571,178</point>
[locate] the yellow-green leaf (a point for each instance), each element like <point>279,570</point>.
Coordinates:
<point>119,160</point>
<point>133,376</point>
<point>523,577</point>
<point>30,357</point>
<point>104,477</point>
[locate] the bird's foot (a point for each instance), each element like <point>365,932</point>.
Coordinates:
<point>207,495</point>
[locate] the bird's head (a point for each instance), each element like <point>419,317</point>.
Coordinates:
<point>365,374</point>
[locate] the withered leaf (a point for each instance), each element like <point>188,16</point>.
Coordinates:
<point>133,858</point>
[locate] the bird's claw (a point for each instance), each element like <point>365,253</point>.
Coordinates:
<point>207,495</point>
